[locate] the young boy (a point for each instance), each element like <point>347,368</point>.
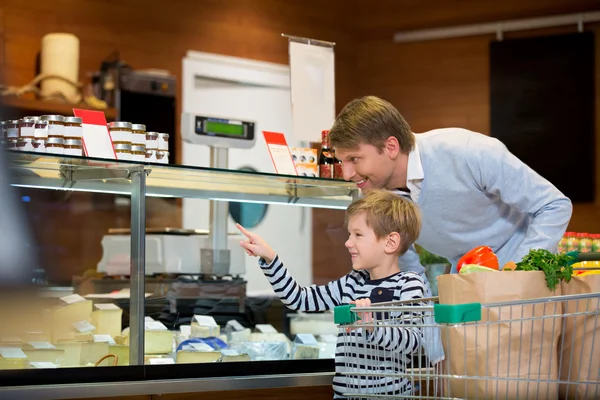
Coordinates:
<point>381,227</point>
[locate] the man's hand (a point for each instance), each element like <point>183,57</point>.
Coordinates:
<point>255,246</point>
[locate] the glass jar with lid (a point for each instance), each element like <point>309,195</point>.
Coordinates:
<point>73,127</point>
<point>163,141</point>
<point>39,145</point>
<point>152,140</point>
<point>138,153</point>
<point>162,156</point>
<point>26,128</point>
<point>12,129</point>
<point>11,144</point>
<point>2,131</point>
<point>25,144</point>
<point>123,151</point>
<point>55,125</point>
<point>55,145</point>
<point>73,147</point>
<point>41,129</point>
<point>151,155</point>
<point>138,134</point>
<point>120,133</point>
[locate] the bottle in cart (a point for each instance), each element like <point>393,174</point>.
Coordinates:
<point>337,167</point>
<point>326,163</point>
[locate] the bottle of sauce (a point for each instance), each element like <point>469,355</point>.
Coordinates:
<point>326,164</point>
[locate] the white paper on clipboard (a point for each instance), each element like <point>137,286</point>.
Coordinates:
<point>312,75</point>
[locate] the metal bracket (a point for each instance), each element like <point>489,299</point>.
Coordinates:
<point>71,174</point>
<point>292,192</point>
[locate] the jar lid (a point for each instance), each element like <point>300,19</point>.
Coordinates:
<point>40,122</point>
<point>33,118</point>
<point>39,140</point>
<point>73,120</point>
<point>57,118</point>
<point>153,135</point>
<point>138,147</point>
<point>27,120</point>
<point>72,142</point>
<point>138,127</point>
<point>165,135</point>
<point>2,123</point>
<point>55,140</point>
<point>162,152</point>
<point>120,124</point>
<point>25,139</point>
<point>122,146</point>
<point>13,121</point>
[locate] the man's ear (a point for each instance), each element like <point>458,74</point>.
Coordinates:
<point>391,147</point>
<point>392,243</point>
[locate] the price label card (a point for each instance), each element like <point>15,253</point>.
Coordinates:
<point>280,153</point>
<point>83,326</point>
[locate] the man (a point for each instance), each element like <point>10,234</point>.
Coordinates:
<point>472,191</point>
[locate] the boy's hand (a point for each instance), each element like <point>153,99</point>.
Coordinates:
<point>255,246</point>
<point>364,317</point>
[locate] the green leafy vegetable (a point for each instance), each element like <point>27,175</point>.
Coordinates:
<point>557,267</point>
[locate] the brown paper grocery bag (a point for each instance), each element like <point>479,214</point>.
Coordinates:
<point>512,352</point>
<point>580,347</point>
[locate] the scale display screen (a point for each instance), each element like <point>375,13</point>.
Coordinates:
<point>224,128</point>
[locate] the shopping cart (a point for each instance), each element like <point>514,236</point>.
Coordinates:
<point>546,348</point>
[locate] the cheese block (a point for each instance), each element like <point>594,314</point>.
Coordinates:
<point>158,342</point>
<point>107,319</point>
<point>305,352</point>
<point>204,326</point>
<point>63,318</point>
<point>272,337</point>
<point>122,353</point>
<point>239,336</point>
<point>233,356</point>
<point>195,357</point>
<point>78,353</point>
<point>13,363</point>
<point>45,355</point>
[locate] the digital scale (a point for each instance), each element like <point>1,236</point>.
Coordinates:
<point>211,254</point>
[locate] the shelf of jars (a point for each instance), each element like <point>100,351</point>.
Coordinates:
<point>63,172</point>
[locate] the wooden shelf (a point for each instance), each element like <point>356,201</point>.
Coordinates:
<point>49,107</point>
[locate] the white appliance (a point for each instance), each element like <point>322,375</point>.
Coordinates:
<point>246,90</point>
<point>168,251</point>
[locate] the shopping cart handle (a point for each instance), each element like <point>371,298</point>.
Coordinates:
<point>577,256</point>
<point>342,315</point>
<point>457,313</point>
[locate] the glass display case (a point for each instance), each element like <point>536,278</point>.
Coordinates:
<point>124,284</point>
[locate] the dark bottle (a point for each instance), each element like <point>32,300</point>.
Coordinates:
<point>337,168</point>
<point>326,165</point>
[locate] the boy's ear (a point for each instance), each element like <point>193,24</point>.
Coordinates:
<point>393,243</point>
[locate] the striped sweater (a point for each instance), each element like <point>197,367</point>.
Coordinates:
<point>360,352</point>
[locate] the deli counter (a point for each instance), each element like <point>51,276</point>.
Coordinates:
<point>159,310</point>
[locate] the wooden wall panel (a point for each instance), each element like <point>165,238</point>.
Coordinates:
<point>147,35</point>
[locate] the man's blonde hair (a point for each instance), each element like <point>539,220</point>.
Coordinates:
<point>370,120</point>
<point>387,212</point>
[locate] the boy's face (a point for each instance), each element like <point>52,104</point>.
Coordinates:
<point>366,250</point>
<point>367,166</point>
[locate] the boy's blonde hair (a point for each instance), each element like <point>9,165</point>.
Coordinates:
<point>370,120</point>
<point>387,212</point>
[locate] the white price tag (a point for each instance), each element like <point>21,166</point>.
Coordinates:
<point>205,320</point>
<point>83,326</point>
<point>42,364</point>
<point>106,306</point>
<point>265,328</point>
<point>185,330</point>
<point>12,352</point>
<point>148,319</point>
<point>41,345</point>
<point>306,338</point>
<point>235,325</point>
<point>161,361</point>
<point>155,325</point>
<point>73,298</point>
<point>201,347</point>
<point>104,339</point>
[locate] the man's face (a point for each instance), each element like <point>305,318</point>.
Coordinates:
<point>367,166</point>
